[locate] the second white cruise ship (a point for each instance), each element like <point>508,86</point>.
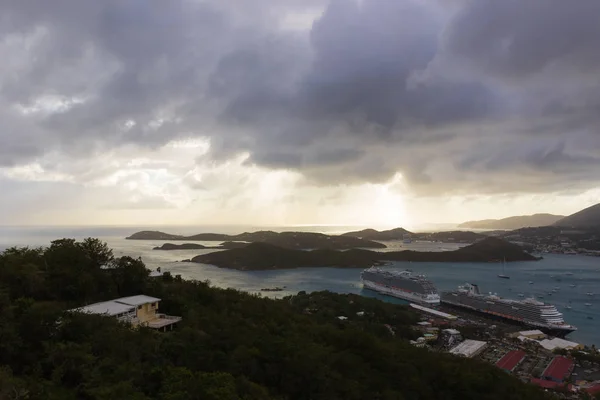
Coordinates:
<point>529,312</point>
<point>401,284</point>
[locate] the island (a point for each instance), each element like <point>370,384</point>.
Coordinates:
<point>265,256</point>
<point>287,240</point>
<point>403,234</point>
<point>184,246</point>
<point>196,246</point>
<point>373,234</point>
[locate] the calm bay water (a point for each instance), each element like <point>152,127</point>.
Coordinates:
<point>550,273</point>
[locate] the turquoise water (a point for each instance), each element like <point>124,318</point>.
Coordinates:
<point>546,274</point>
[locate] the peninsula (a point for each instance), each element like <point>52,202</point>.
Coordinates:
<point>287,240</point>
<point>517,222</point>
<point>265,256</point>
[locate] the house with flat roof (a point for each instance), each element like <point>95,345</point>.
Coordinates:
<point>140,310</point>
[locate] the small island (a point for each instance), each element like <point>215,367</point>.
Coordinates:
<point>264,256</point>
<point>196,246</point>
<point>287,240</point>
<point>184,246</point>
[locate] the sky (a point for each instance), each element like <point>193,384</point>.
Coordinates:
<point>297,112</point>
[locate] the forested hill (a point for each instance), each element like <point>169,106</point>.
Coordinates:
<point>261,256</point>
<point>586,218</point>
<point>229,346</point>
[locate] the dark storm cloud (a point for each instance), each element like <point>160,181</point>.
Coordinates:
<point>518,39</point>
<point>350,101</point>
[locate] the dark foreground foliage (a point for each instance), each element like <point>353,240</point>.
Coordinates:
<point>229,346</point>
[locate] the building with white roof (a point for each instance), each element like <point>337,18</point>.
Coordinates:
<point>558,343</point>
<point>469,348</point>
<point>140,310</point>
<point>533,334</point>
<point>451,331</point>
<point>110,308</point>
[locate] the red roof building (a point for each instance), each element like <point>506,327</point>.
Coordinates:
<point>559,369</point>
<point>593,390</point>
<point>511,360</point>
<point>549,384</point>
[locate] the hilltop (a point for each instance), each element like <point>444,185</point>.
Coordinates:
<point>516,222</point>
<point>586,218</point>
<point>229,345</point>
<point>288,240</point>
<point>263,256</point>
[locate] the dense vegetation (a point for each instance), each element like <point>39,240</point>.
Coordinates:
<point>259,256</point>
<point>230,345</point>
<point>288,240</point>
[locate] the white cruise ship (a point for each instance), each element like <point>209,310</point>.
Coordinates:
<point>529,312</point>
<point>401,284</point>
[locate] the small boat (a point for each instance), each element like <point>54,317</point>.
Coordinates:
<point>540,296</point>
<point>568,307</point>
<point>572,285</point>
<point>503,274</point>
<point>531,282</point>
<point>521,295</point>
<point>569,273</point>
<point>590,317</point>
<point>588,304</point>
<point>590,293</point>
<point>556,288</point>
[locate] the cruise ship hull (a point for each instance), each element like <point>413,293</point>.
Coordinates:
<point>398,293</point>
<point>553,330</point>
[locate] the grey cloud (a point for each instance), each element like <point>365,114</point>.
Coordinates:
<point>339,103</point>
<point>518,39</point>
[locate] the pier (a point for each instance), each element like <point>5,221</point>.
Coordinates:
<point>434,312</point>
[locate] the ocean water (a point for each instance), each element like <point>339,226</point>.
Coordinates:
<point>554,271</point>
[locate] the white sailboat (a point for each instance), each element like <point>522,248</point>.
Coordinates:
<point>503,274</point>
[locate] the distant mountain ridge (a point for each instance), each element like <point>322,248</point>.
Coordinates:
<point>516,222</point>
<point>586,218</point>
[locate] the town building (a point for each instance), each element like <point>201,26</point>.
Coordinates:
<point>559,369</point>
<point>535,334</point>
<point>558,343</point>
<point>550,384</point>
<point>511,360</point>
<point>469,348</point>
<point>140,310</point>
<point>450,337</point>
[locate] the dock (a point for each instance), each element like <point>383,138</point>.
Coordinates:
<point>434,312</point>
